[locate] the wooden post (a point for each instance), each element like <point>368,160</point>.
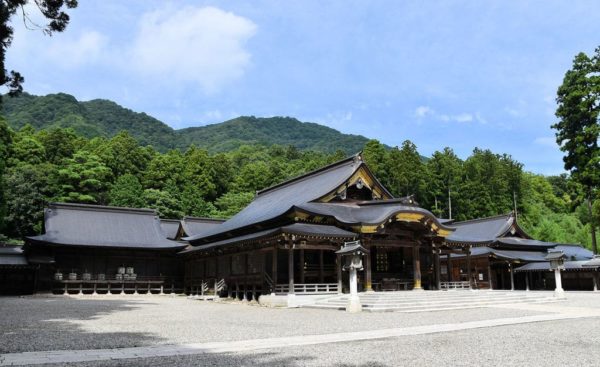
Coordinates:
<point>417,268</point>
<point>321,274</point>
<point>490,275</point>
<point>274,268</point>
<point>469,275</point>
<point>449,266</point>
<point>338,270</point>
<point>302,266</point>
<point>367,266</point>
<point>436,257</point>
<point>291,268</point>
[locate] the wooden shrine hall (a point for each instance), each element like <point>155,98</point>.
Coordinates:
<point>283,243</point>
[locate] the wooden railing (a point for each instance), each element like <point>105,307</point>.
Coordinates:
<point>305,288</point>
<point>455,285</point>
<point>111,285</point>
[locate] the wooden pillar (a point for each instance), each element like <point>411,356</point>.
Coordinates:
<point>417,268</point>
<point>338,270</point>
<point>449,266</point>
<point>274,268</point>
<point>367,266</point>
<point>436,265</point>
<point>301,253</point>
<point>321,272</point>
<point>490,275</point>
<point>291,268</point>
<point>469,274</point>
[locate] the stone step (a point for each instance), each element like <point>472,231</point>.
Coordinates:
<point>432,307</point>
<point>429,301</point>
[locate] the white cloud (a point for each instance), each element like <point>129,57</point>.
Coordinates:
<point>196,45</point>
<point>547,141</point>
<point>425,111</point>
<point>85,49</point>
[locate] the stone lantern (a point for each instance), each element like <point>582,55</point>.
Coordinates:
<point>557,260</point>
<point>352,253</point>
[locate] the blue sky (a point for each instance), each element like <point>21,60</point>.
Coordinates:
<point>462,74</point>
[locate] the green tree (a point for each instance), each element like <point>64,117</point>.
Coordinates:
<point>122,154</point>
<point>26,197</point>
<point>163,202</point>
<point>127,191</point>
<point>84,178</point>
<point>578,130</point>
<point>444,174</point>
<point>5,152</point>
<point>59,144</point>
<point>231,203</point>
<point>407,171</point>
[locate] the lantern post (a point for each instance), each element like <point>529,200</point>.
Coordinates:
<point>352,253</point>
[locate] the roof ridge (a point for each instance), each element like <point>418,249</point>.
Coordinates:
<point>189,217</point>
<point>103,208</point>
<point>484,219</point>
<point>355,157</point>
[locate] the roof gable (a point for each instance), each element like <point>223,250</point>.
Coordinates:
<point>320,185</point>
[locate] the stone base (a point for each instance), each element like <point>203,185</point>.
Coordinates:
<point>559,293</point>
<point>354,305</point>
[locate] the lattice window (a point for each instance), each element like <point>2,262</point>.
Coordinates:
<point>382,264</point>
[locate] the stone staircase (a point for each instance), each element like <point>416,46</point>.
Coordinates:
<point>423,301</point>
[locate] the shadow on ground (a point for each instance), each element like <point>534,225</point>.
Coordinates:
<point>27,326</point>
<point>269,359</point>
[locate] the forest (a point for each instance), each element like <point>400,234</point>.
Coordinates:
<point>58,164</point>
<point>101,117</point>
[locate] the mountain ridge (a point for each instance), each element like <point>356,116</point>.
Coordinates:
<point>103,117</point>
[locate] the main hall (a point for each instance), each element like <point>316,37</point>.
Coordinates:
<point>285,242</point>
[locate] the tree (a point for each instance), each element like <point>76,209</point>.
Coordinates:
<point>231,203</point>
<point>163,202</point>
<point>25,192</point>
<point>407,171</point>
<point>84,178</point>
<point>5,151</point>
<point>127,191</point>
<point>444,172</point>
<point>578,130</point>
<point>52,10</point>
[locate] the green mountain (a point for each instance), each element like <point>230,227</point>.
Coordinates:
<point>101,117</point>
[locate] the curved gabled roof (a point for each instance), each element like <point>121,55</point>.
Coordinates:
<point>368,213</point>
<point>103,226</point>
<point>483,230</point>
<point>277,200</point>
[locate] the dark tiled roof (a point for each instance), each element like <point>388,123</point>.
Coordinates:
<point>300,229</point>
<point>279,199</point>
<point>480,230</point>
<point>11,256</point>
<point>360,213</point>
<point>575,252</point>
<point>545,266</point>
<point>193,226</point>
<point>170,227</point>
<point>505,254</point>
<point>103,226</point>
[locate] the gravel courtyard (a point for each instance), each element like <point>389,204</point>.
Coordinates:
<point>54,323</point>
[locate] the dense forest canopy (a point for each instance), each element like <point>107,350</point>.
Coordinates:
<point>105,118</point>
<point>58,164</point>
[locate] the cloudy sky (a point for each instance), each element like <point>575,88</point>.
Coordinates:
<point>462,74</point>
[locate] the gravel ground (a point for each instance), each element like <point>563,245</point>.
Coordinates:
<point>55,323</point>
<point>568,343</point>
<point>59,323</point>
